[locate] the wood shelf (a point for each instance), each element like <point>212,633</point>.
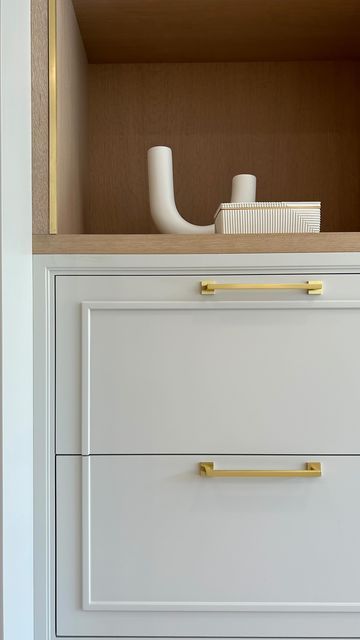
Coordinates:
<point>191,244</point>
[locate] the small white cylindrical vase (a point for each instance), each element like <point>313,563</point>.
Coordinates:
<point>243,188</point>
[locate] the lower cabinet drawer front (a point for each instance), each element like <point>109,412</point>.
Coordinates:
<point>147,546</point>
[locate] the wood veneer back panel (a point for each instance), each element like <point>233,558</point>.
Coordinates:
<point>218,30</point>
<point>293,124</point>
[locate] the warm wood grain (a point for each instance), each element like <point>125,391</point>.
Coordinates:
<point>172,244</point>
<point>218,30</point>
<point>40,122</point>
<point>295,125</point>
<point>72,121</point>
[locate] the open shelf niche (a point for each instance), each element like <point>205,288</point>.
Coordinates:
<point>269,87</point>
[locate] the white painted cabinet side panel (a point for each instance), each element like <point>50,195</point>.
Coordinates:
<point>16,406</point>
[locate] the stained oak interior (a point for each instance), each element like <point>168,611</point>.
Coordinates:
<point>269,87</point>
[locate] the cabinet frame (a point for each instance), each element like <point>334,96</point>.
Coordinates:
<point>46,269</point>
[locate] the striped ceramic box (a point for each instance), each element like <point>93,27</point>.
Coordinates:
<point>268,217</point>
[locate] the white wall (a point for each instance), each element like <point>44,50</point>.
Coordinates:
<point>16,322</point>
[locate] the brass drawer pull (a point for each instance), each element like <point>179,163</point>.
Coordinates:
<point>312,287</point>
<point>312,470</point>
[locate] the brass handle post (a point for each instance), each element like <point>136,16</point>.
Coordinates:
<point>312,287</point>
<point>311,470</point>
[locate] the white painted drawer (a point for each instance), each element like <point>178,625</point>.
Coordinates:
<point>148,547</point>
<point>146,364</point>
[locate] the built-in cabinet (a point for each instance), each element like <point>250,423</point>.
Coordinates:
<point>197,447</point>
<point>197,453</point>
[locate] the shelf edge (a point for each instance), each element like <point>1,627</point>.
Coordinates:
<point>192,244</point>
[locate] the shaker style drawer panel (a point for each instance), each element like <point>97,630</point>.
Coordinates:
<point>147,546</point>
<point>150,365</point>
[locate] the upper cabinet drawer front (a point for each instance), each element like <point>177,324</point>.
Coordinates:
<point>146,364</point>
<point>147,546</point>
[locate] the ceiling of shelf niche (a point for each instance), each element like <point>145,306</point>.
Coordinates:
<point>218,30</point>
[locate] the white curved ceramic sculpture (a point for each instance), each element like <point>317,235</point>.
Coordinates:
<point>162,199</point>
